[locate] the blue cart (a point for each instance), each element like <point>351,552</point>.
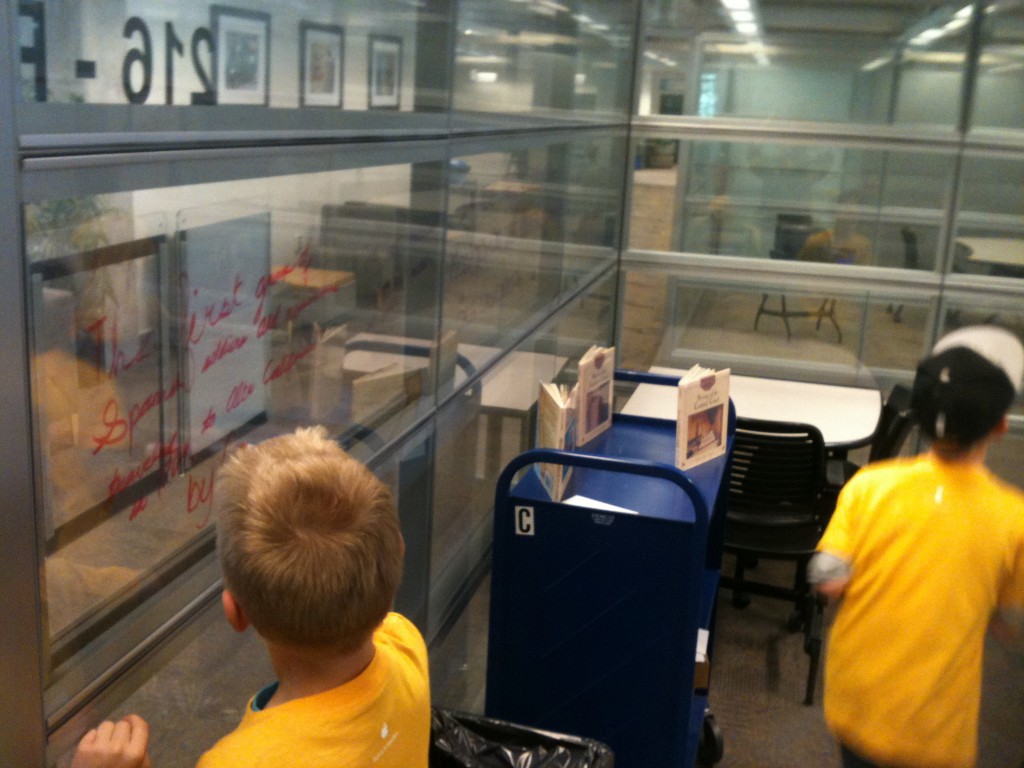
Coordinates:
<point>595,612</point>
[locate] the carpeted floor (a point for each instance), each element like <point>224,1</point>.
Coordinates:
<point>759,671</point>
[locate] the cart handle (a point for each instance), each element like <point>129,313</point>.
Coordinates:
<point>607,463</point>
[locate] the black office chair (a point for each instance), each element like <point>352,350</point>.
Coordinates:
<point>791,232</point>
<point>910,261</point>
<point>777,510</point>
<point>894,427</point>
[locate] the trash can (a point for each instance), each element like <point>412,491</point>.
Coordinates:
<point>461,740</point>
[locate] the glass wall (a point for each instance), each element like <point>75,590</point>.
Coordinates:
<point>544,59</point>
<point>820,192</point>
<point>393,219</point>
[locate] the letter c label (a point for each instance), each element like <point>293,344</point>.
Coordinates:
<point>524,521</point>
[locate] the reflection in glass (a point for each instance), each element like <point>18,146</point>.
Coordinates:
<point>486,426</point>
<point>855,206</point>
<point>990,226</point>
<point>165,52</point>
<point>156,350</point>
<point>999,98</point>
<point>525,227</point>
<point>780,60</point>
<point>543,58</point>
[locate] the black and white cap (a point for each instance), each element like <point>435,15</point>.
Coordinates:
<point>967,383</point>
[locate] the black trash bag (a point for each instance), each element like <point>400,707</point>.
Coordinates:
<point>460,740</point>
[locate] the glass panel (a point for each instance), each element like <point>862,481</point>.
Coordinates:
<point>782,326</point>
<point>809,202</point>
<point>171,323</point>
<point>999,95</point>
<point>480,432</point>
<point>525,227</point>
<point>342,55</point>
<point>779,59</point>
<point>990,225</point>
<point>514,56</point>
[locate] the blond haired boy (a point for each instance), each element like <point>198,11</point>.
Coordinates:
<point>311,552</point>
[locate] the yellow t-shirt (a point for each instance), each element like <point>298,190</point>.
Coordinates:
<point>825,247</point>
<point>934,549</point>
<point>381,719</point>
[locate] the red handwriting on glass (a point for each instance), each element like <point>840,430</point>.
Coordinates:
<point>294,311</point>
<point>200,489</point>
<point>138,507</point>
<point>200,493</point>
<point>275,370</point>
<point>201,318</point>
<point>239,394</point>
<point>119,359</point>
<point>166,455</point>
<point>118,428</point>
<point>264,321</point>
<point>268,321</point>
<point>210,420</point>
<point>224,348</point>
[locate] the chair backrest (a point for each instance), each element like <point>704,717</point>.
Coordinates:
<point>791,232</point>
<point>910,255</point>
<point>778,473</point>
<point>894,425</point>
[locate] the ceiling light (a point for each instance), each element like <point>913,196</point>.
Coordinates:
<point>736,5</point>
<point>747,28</point>
<point>871,66</point>
<point>742,15</point>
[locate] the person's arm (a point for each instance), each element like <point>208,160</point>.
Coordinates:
<point>123,744</point>
<point>828,574</point>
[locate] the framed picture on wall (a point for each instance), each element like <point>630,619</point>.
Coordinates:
<point>385,71</point>
<point>321,64</point>
<point>241,55</point>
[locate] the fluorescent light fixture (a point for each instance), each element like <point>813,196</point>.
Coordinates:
<point>736,5</point>
<point>925,37</point>
<point>748,28</point>
<point>554,6</point>
<point>874,64</point>
<point>483,76</point>
<point>738,16</point>
<point>964,13</point>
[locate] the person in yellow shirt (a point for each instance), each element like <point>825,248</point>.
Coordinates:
<point>924,554</point>
<point>311,551</point>
<point>842,243</point>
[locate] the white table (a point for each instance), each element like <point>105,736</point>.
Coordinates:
<point>1005,254</point>
<point>846,416</point>
<point>509,391</point>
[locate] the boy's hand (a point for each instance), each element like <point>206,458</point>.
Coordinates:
<point>115,745</point>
